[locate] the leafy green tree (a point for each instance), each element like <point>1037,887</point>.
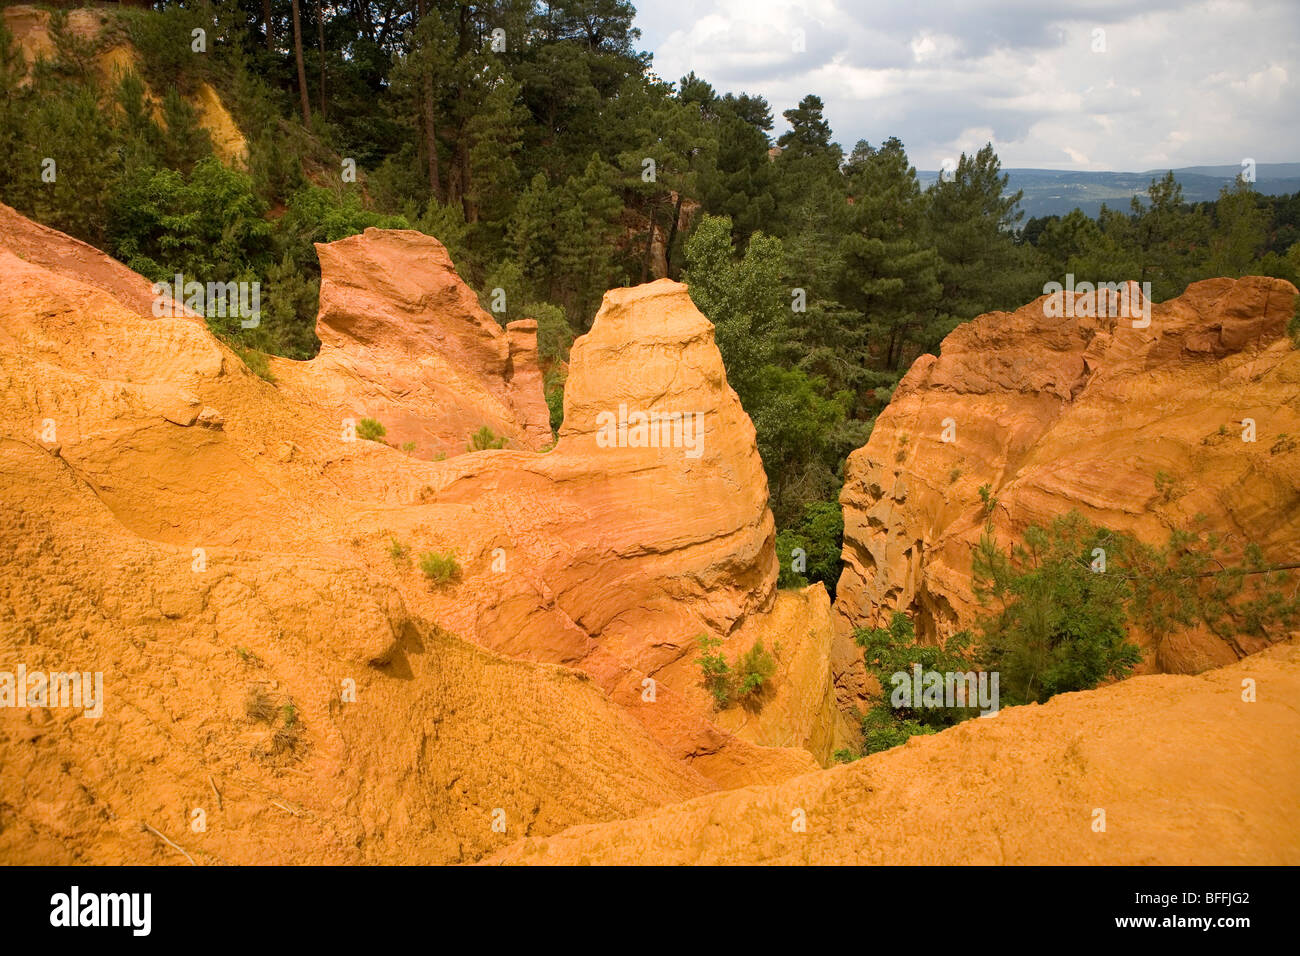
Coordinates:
<point>744,298</point>
<point>794,419</point>
<point>1060,626</point>
<point>209,227</point>
<point>818,534</point>
<point>894,650</point>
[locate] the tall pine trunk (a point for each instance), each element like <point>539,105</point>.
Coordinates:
<point>462,157</point>
<point>302,70</point>
<point>266,18</point>
<point>672,236</point>
<point>426,106</point>
<point>650,241</point>
<point>320,36</point>
<point>430,137</point>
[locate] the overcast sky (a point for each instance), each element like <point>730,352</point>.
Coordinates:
<point>1177,83</point>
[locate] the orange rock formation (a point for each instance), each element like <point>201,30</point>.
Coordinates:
<point>211,544</point>
<point>1160,755</point>
<point>1081,413</point>
<point>247,582</point>
<point>404,341</point>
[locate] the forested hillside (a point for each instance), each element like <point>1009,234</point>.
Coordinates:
<point>536,141</point>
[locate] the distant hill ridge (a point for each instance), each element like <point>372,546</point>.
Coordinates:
<point>1058,191</point>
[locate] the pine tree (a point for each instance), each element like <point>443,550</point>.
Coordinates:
<point>971,217</point>
<point>890,271</point>
<point>1240,231</point>
<point>186,141</point>
<point>739,183</point>
<point>530,231</point>
<point>1163,234</point>
<point>495,132</point>
<point>586,228</point>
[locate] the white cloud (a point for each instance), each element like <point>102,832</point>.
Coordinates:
<point>1179,83</point>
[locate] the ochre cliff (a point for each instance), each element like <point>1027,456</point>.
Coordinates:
<point>1161,756</point>
<point>405,342</point>
<point>1082,413</point>
<point>247,581</point>
<point>212,545</point>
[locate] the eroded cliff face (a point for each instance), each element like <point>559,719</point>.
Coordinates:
<point>212,545</point>
<point>246,582</point>
<point>405,342</point>
<point>1083,413</point>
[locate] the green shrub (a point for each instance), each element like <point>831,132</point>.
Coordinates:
<point>399,552</point>
<point>884,730</point>
<point>818,533</point>
<point>208,225</point>
<point>370,430</point>
<point>554,334</point>
<point>440,568</point>
<point>484,439</point>
<point>1061,626</point>
<point>745,682</point>
<point>257,362</point>
<point>553,386</point>
<point>1166,486</point>
<point>716,670</point>
<point>753,672</point>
